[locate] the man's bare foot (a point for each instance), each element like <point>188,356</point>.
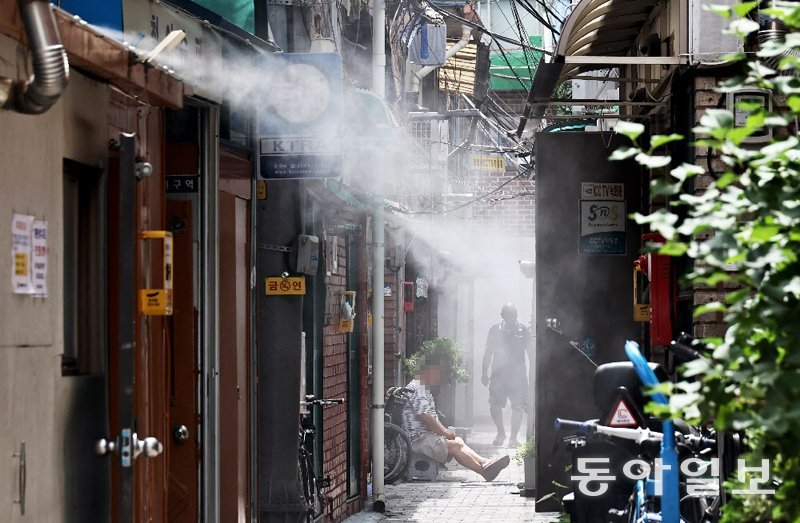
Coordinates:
<point>499,439</point>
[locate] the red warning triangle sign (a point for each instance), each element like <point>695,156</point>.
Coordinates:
<point>622,416</point>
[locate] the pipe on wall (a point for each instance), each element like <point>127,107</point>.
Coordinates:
<point>50,64</point>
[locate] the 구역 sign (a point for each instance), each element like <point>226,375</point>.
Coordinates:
<point>279,286</point>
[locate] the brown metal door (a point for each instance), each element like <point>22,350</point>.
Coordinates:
<point>233,343</point>
<point>183,445</point>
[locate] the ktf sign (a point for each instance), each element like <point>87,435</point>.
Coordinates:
<point>300,117</point>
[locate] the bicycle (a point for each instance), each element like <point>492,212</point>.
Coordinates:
<point>312,487</point>
<point>396,443</point>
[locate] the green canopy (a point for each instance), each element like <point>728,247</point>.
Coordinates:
<point>502,76</point>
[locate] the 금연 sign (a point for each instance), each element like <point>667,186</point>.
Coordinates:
<point>300,117</point>
<point>279,286</point>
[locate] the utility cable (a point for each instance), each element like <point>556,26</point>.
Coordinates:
<point>495,36</point>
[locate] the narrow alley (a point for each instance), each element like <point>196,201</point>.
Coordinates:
<point>459,495</point>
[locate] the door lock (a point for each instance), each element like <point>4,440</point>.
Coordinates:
<point>180,433</point>
<point>128,447</point>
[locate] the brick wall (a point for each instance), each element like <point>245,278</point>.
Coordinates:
<point>335,385</point>
<point>510,210</point>
<point>709,324</point>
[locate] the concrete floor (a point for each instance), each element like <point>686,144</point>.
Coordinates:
<point>460,495</point>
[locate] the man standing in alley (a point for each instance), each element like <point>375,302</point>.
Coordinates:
<point>428,435</point>
<point>506,346</point>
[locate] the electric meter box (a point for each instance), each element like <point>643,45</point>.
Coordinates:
<point>307,254</point>
<point>761,97</point>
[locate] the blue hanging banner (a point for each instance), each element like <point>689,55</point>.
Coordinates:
<point>102,13</point>
<point>300,117</point>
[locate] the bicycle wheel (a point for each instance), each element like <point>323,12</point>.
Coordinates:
<point>310,486</point>
<point>396,452</point>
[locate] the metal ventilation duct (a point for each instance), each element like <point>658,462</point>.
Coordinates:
<point>50,65</point>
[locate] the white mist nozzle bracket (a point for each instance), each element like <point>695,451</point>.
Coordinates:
<point>170,42</point>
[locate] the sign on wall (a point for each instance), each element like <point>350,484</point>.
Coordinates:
<point>300,117</point>
<point>28,255</point>
<point>602,227</point>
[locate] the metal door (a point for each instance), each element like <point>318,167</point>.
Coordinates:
<point>183,446</point>
<point>125,445</point>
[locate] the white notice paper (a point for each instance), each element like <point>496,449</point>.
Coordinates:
<point>21,278</point>
<point>39,258</point>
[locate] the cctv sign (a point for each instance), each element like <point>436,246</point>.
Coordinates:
<point>300,117</point>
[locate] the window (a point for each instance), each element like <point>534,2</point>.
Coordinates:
<point>84,271</point>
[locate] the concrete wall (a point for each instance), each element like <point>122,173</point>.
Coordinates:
<point>39,405</point>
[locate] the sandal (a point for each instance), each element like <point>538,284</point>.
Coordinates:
<point>493,468</point>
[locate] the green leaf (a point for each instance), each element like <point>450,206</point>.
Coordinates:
<point>673,248</point>
<point>762,233</point>
<point>686,170</point>
<point>722,10</point>
<point>658,140</point>
<point>662,187</point>
<point>741,27</point>
<point>653,162</point>
<point>745,7</point>
<point>713,306</point>
<point>630,129</point>
<point>624,153</point>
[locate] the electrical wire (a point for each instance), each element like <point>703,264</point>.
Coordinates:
<point>494,36</point>
<point>470,202</point>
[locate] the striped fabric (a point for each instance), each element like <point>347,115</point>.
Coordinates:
<point>420,401</point>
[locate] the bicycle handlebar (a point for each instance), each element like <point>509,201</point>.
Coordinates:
<point>639,435</point>
<point>323,401</point>
<point>683,352</point>
<point>582,427</point>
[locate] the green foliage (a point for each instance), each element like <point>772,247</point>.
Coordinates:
<point>751,382</point>
<point>526,450</point>
<point>448,351</point>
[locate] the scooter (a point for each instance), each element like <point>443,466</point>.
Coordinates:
<point>661,498</point>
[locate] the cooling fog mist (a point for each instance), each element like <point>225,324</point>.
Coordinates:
<point>475,270</point>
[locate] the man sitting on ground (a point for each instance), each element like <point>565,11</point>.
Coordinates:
<point>430,437</point>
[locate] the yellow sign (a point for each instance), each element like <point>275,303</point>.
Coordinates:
<point>277,286</point>
<point>345,326</point>
<point>155,302</point>
<point>261,190</point>
<point>488,163</point>
<point>641,312</point>
<point>158,302</point>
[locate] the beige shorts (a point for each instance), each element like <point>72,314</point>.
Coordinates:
<point>432,445</point>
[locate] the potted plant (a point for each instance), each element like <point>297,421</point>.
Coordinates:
<point>449,353</point>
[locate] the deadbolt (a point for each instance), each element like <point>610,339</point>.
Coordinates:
<point>180,433</point>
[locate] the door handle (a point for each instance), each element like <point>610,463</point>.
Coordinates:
<point>129,447</point>
<point>180,433</point>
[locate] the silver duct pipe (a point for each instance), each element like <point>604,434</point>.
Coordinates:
<point>50,65</point>
<point>770,30</point>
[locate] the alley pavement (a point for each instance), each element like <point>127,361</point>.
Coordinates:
<point>460,495</point>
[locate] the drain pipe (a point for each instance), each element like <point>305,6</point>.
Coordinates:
<point>50,65</point>
<point>466,36</point>
<point>378,261</point>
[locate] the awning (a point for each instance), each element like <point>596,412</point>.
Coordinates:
<point>103,57</point>
<point>606,28</point>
